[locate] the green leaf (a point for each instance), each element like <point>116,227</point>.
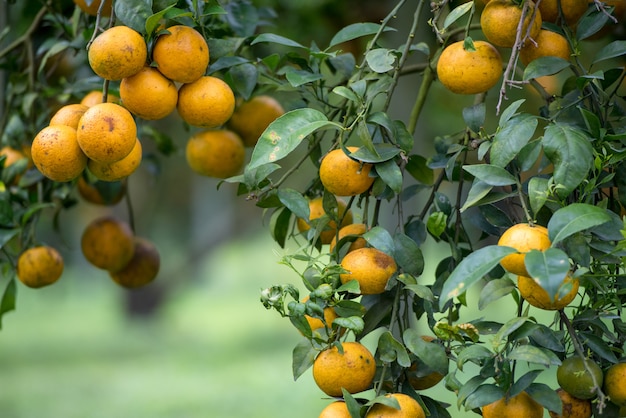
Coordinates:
<point>569,149</point>
<point>379,238</point>
<point>474,353</point>
<point>483,395</point>
<point>7,303</point>
<point>295,202</point>
<point>417,167</point>
<point>534,355</point>
<point>549,269</point>
<point>474,116</point>
<point>591,23</point>
<point>537,193</point>
<point>391,174</point>
<point>153,22</point>
<point>134,13</point>
<point>276,39</point>
<point>244,79</point>
<point>354,31</point>
<point>471,269</point>
<point>544,66</point>
<point>375,153</point>
<point>390,349</point>
<point>511,138</point>
<point>279,226</point>
<point>523,382</point>
<point>507,329</point>
<point>546,396</point>
<point>408,254</point>
<point>381,60</point>
<point>346,93</point>
<point>456,14</point>
<point>611,50</point>
<point>354,407</point>
<point>476,194</point>
<point>298,78</point>
<point>421,291</point>
<point>490,174</point>
<point>495,289</point>
<point>353,323</point>
<point>284,134</point>
<point>302,358</point>
<point>430,353</point>
<point>436,223</point>
<point>510,111</point>
<point>574,218</point>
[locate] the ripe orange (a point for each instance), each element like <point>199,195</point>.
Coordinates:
<point>573,377</point>
<point>149,94</point>
<point>219,153</point>
<point>103,193</point>
<point>343,176</point>
<point>500,18</point>
<point>92,8</point>
<point>572,407</point>
<point>572,10</point>
<point>538,297</point>
<point>615,383</point>
<point>549,44</point>
<point>469,72</point>
<point>337,409</point>
<point>350,230</point>
<point>251,118</point>
<point>142,268</point>
<point>119,169</point>
<point>108,243</point>
<point>523,237</point>
<point>316,323</point>
<point>409,407</point>
<point>107,132</point>
<point>11,155</point>
<point>316,211</point>
<point>69,115</point>
<point>117,53</point>
<point>39,266</point>
<point>181,55</point>
<point>354,370</point>
<point>518,406</point>
<point>56,153</point>
<point>207,102</point>
<point>370,267</point>
<point>95,97</point>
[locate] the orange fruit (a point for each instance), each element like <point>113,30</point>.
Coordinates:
<point>219,153</point>
<point>370,267</point>
<point>316,323</point>
<point>142,268</point>
<point>95,97</point>
<point>500,19</point>
<point>108,243</point>
<point>39,266</point>
<point>423,379</point>
<point>572,407</point>
<point>207,102</point>
<point>119,169</point>
<point>117,53</point>
<point>572,10</point>
<point>353,370</point>
<point>316,211</point>
<point>103,193</point>
<point>518,406</point>
<point>94,5</point>
<point>576,375</point>
<point>615,383</point>
<point>350,230</point>
<point>343,176</point>
<point>251,118</point>
<point>149,94</point>
<point>409,407</point>
<point>539,298</point>
<point>469,72</point>
<point>523,237</point>
<point>69,115</point>
<point>181,55</point>
<point>106,132</point>
<point>56,153</point>
<point>337,409</point>
<point>548,44</point>
<point>11,155</point>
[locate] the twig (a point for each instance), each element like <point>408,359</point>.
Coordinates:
<point>33,26</point>
<point>601,7</point>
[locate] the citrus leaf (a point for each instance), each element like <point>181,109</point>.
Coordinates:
<point>456,14</point>
<point>430,353</point>
<point>353,323</point>
<point>493,290</point>
<point>483,395</point>
<point>285,133</point>
<point>134,13</point>
<point>295,202</point>
<point>537,193</point>
<point>302,358</point>
<point>473,353</point>
<point>490,174</point>
<point>568,148</point>
<point>512,136</point>
<point>548,268</point>
<point>390,349</point>
<point>408,254</point>
<point>354,407</point>
<point>381,60</point>
<point>474,116</point>
<point>546,396</point>
<point>7,303</point>
<point>380,239</point>
<point>391,174</point>
<point>612,50</point>
<point>523,382</point>
<point>574,218</point>
<point>354,31</point>
<point>471,269</point>
<point>507,329</point>
<point>476,194</point>
<point>544,66</point>
<point>276,39</point>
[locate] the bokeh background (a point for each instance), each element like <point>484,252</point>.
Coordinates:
<point>197,342</point>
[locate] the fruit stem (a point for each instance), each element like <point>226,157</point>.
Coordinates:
<point>522,200</point>
<point>581,353</point>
